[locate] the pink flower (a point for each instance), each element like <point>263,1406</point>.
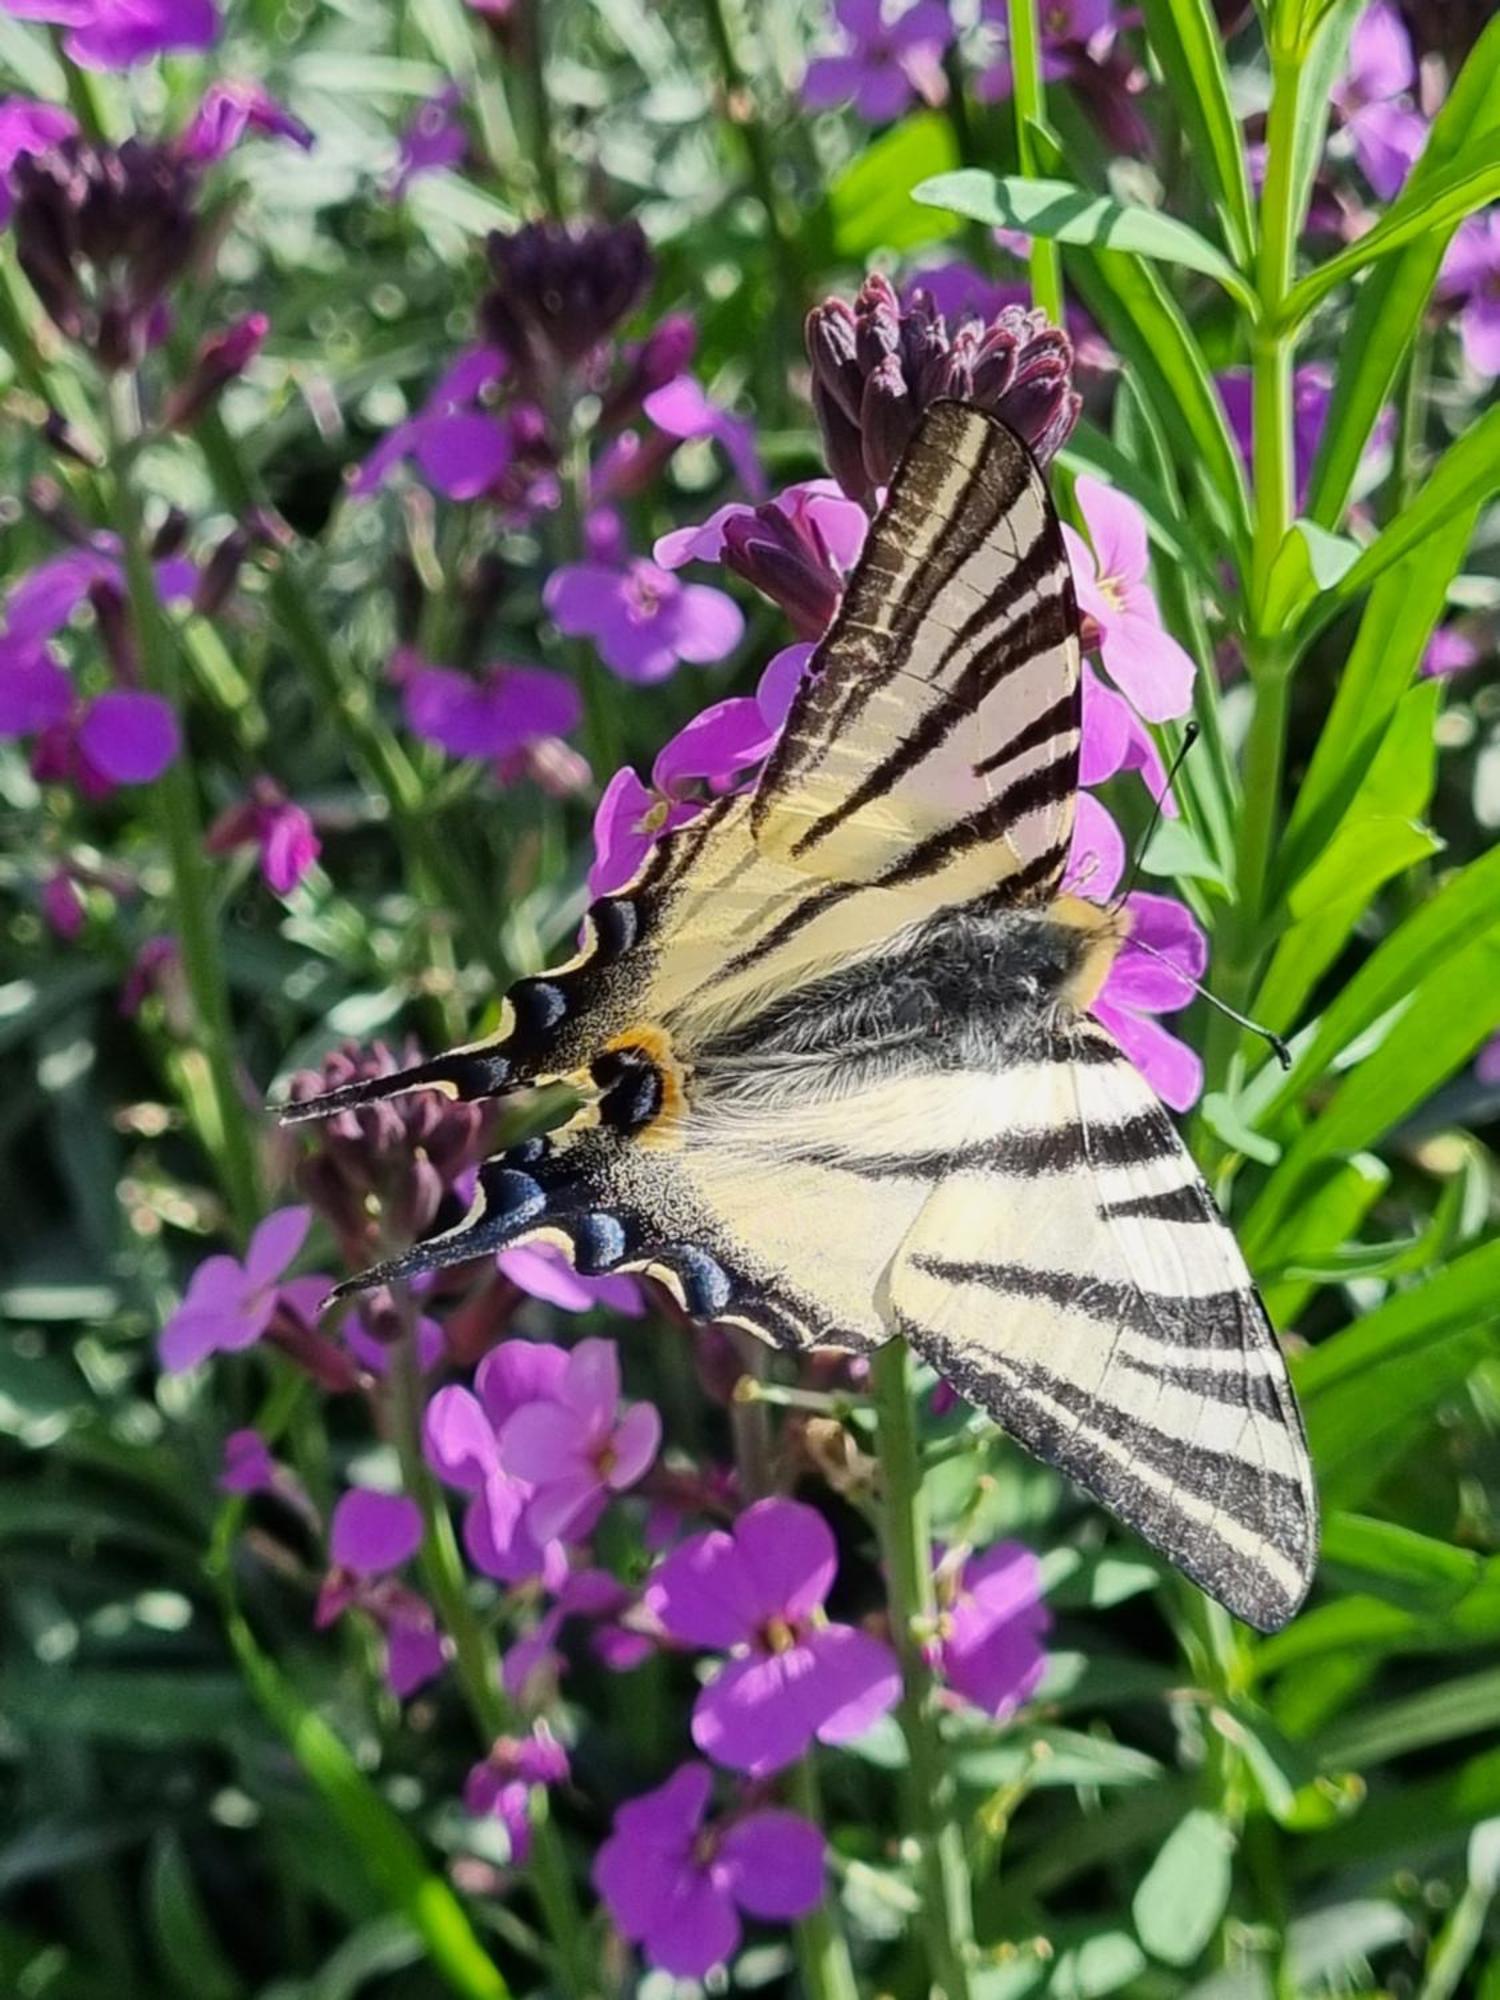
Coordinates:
<point>1373,96</point>
<point>1115,739</point>
<point>373,1533</point>
<point>546,1274</point>
<point>231,107</point>
<point>759,1593</point>
<point>492,716</point>
<point>643,621</point>
<point>114,34</point>
<point>1487,1062</point>
<point>63,907</point>
<point>1143,660</point>
<point>501,1787</point>
<point>797,549</point>
<point>40,604</point>
<point>574,1445</point>
<point>460,448</point>
<point>682,409</point>
<point>675,1886</point>
<point>228,1305</point>
<point>460,1437</point>
<point>27,126</point>
<point>993,1622</point>
<point>435,138</point>
<point>720,749</point>
<point>890,57</point>
<point>221,359</point>
<point>248,1464</point>
<point>1450,651</point>
<point>1157,966</point>
<point>1471,273</point>
<point>280,829</point>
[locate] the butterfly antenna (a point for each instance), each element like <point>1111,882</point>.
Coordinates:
<point>1189,738</point>
<point>1279,1046</point>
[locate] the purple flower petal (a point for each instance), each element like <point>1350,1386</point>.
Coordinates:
<point>414,1655</point>
<point>566,1505</point>
<point>248,1465</point>
<point>636,1441</point>
<point>1097,859</point>
<point>993,1654</point>
<point>1172,1069</point>
<point>720,743</point>
<point>129,738</point>
<point>702,1594</point>
<point>462,455</point>
<point>1146,663</point>
<point>545,1273</point>
<point>591,1385</point>
<point>695,1930</point>
<point>371,1533</point>
<point>760,1714</point>
<point>859,1680</point>
<point>709,624</point>
<point>1117,530</point>
<point>773,1865</point>
<point>777,687</point>
<point>275,1243</point>
<point>789,1556</point>
<point>517,1372</point>
<point>457,1440</point>
<point>542,1443</point>
<point>35,692</point>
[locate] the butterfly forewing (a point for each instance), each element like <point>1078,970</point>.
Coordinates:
<point>937,732</point>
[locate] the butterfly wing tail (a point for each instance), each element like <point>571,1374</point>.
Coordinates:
<point>463,1075</point>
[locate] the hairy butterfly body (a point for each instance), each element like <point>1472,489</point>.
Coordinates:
<point>839,1077</point>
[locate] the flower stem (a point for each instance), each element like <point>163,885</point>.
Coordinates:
<point>534,63</point>
<point>476,1661</point>
<point>1045,260</point>
<point>948,1917</point>
<point>175,797</point>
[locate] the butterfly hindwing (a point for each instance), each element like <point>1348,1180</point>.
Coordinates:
<point>939,724</point>
<point>1078,1283</point>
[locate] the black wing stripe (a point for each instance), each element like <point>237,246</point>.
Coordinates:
<point>1209,1319</point>
<point>1029,1152</point>
<point>1043,787</point>
<point>1179,1204</point>
<point>1052,722</point>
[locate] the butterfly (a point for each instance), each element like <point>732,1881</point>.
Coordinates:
<point>838,1076</point>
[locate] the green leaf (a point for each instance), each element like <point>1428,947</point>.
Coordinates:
<point>183,1937</point>
<point>1324,50</point>
<point>1174,849</point>
<point>154,1710</point>
<point>1393,297</point>
<point>1412,1823</point>
<point>1434,209</point>
<point>1189,44</point>
<point>1324,1220</point>
<point>1399,1562</point>
<point>871,203</point>
<point>1466,1707</point>
<point>1084,1963</point>
<point>1222,1117</point>
<point>1063,212</point>
<point>392,1858</point>
<point>1464,478</point>
<point>1185,1891</point>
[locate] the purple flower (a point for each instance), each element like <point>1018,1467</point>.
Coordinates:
<point>40,604</point>
<point>798,549</point>
<point>230,108</point>
<point>27,126</point>
<point>676,1886</point>
<point>501,1787</point>
<point>889,58</point>
<point>719,749</point>
<point>561,290</point>
<point>280,829</point>
<point>1143,660</point>
<point>545,1273</point>
<point>121,738</point>
<point>493,716</point>
<point>993,1621</point>
<point>1115,739</point>
<point>1450,651</point>
<point>114,34</point>
<point>460,448</point>
<point>1373,99</point>
<point>248,1464</point>
<point>228,1304</point>
<point>643,621</point>
<point>759,1593</point>
<point>373,1533</point>
<point>460,1437</point>
<point>415,1651</point>
<point>574,1445</point>
<point>435,138</point>
<point>63,908</point>
<point>1471,273</point>
<point>682,409</point>
<point>221,359</point>
<point>1487,1062</point>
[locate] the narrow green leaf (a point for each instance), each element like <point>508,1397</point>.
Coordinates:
<point>1394,295</point>
<point>1466,476</point>
<point>1063,212</point>
<point>1329,1216</point>
<point>870,204</point>
<point>1189,45</point>
<point>190,1953</point>
<point>1411,1823</point>
<point>1466,1707</point>
<point>1324,50</point>
<point>1185,1891</point>
<point>391,1856</point>
<point>1417,1567</point>
<point>1434,210</point>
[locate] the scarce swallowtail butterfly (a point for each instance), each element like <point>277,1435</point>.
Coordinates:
<point>839,1077</point>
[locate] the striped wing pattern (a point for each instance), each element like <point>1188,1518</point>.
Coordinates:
<point>940,717</point>
<point>1074,1278</point>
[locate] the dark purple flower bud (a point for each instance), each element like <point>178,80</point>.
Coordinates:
<point>115,635</point>
<point>102,232</point>
<point>221,573</point>
<point>781,555</point>
<point>379,1175</point>
<point>661,358</point>
<point>878,365</point>
<point>221,358</point>
<point>561,290</point>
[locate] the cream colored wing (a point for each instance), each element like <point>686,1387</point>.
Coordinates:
<point>1074,1279</point>
<point>940,718</point>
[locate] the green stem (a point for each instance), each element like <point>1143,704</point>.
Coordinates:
<point>741,113</point>
<point>1031,109</point>
<point>478,1664</point>
<point>374,749</point>
<point>948,1918</point>
<point>823,1960</point>
<point>534,60</point>
<point>175,799</point>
